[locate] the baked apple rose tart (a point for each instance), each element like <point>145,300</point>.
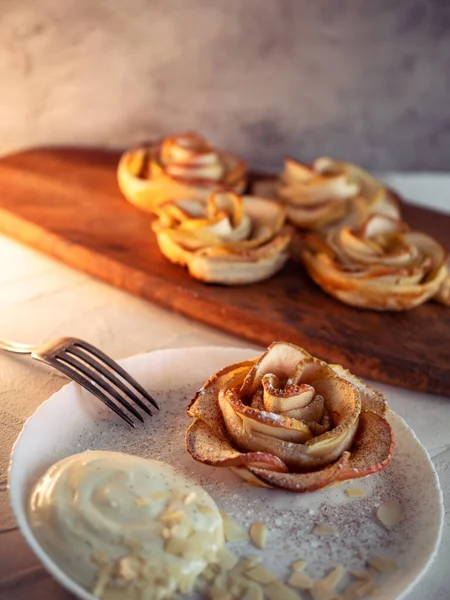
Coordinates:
<point>179,166</point>
<point>329,193</point>
<point>231,239</point>
<point>381,265</point>
<point>288,420</point>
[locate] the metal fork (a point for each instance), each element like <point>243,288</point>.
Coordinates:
<point>93,370</point>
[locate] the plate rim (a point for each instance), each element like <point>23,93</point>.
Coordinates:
<point>68,583</point>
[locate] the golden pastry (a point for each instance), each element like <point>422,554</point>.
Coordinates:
<point>179,166</point>
<point>231,239</point>
<point>328,193</point>
<point>286,419</point>
<point>381,265</point>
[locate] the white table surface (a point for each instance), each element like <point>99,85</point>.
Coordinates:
<point>41,299</point>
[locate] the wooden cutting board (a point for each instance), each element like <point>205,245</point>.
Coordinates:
<point>66,203</point>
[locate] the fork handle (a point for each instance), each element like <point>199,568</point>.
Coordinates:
<point>16,347</point>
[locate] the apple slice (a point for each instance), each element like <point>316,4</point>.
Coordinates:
<point>205,446</point>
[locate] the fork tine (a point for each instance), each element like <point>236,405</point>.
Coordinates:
<point>79,378</point>
<point>104,385</point>
<point>117,368</point>
<point>96,364</point>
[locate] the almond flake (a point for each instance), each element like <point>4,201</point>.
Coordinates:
<point>298,565</point>
<point>354,493</point>
<point>190,498</point>
<point>232,531</point>
<point>278,591</point>
<point>390,513</point>
<point>141,501</point>
<point>177,546</point>
<point>171,516</point>
<point>128,568</point>
<point>383,564</point>
<point>226,559</point>
<point>300,581</point>
<point>258,535</point>
<point>261,574</point>
<point>322,591</point>
<point>324,529</point>
<point>364,590</point>
<point>101,581</point>
<point>334,577</point>
<point>251,561</point>
<point>364,575</point>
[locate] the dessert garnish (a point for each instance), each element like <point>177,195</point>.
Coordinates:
<point>288,420</point>
<point>120,525</point>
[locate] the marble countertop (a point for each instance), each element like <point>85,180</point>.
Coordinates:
<point>41,299</point>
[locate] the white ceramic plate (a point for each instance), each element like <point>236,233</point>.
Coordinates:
<point>71,421</point>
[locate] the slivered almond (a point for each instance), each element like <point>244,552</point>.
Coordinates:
<point>278,591</point>
<point>190,498</point>
<point>128,568</point>
<point>232,531</point>
<point>298,565</point>
<point>171,516</point>
<point>383,564</point>
<point>261,574</point>
<point>322,591</point>
<point>142,501</point>
<point>251,561</point>
<point>365,589</point>
<point>364,575</point>
<point>354,492</point>
<point>102,580</point>
<point>334,577</point>
<point>177,546</point>
<point>258,535</point>
<point>300,581</point>
<point>324,529</point>
<point>226,559</point>
<point>390,513</point>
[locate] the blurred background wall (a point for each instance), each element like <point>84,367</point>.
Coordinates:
<point>364,81</point>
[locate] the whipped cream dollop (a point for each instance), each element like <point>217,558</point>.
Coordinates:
<point>125,527</point>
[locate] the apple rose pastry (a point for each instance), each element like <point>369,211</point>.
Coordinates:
<point>179,166</point>
<point>330,192</point>
<point>380,265</point>
<point>232,239</point>
<point>289,420</point>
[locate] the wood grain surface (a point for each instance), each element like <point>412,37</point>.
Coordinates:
<point>66,203</point>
